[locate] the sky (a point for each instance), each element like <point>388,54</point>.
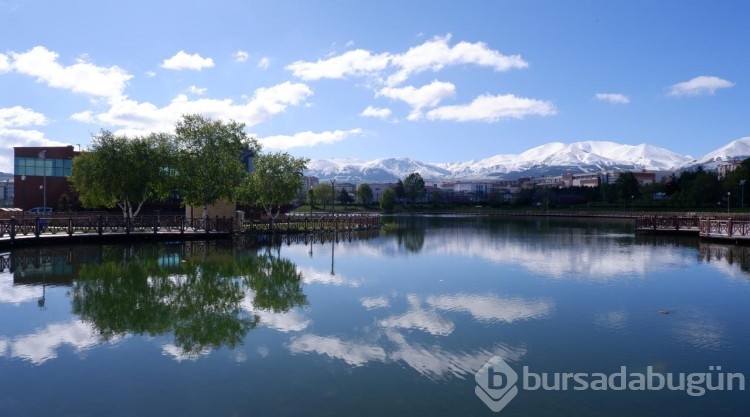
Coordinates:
<point>436,81</point>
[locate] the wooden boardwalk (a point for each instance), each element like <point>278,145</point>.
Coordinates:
<point>722,227</point>
<point>72,228</point>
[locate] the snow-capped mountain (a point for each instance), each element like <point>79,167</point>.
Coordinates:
<point>735,150</point>
<point>550,159</point>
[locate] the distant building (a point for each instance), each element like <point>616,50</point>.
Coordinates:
<point>35,167</point>
<point>728,167</point>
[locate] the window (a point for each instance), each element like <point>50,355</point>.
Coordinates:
<point>40,167</point>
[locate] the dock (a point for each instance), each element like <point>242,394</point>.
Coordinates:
<point>708,226</point>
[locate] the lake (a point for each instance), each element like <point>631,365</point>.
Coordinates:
<point>394,323</point>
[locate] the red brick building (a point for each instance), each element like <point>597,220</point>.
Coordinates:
<point>33,167</point>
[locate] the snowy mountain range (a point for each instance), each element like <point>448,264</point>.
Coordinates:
<point>550,159</point>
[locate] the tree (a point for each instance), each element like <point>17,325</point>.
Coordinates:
<point>413,186</point>
<point>98,177</point>
<point>388,199</point>
<point>400,191</point>
<point>627,186</point>
<point>323,194</point>
<point>209,166</point>
<point>344,197</point>
<point>275,181</point>
<point>364,193</point>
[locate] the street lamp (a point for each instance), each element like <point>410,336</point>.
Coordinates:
<point>23,193</point>
<point>742,194</point>
<point>43,156</point>
<point>729,195</point>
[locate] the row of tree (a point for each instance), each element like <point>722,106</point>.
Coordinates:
<point>202,162</point>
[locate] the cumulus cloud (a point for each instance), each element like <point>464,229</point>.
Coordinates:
<point>434,54</point>
<point>14,131</point>
<point>241,56</point>
<point>264,63</point>
<point>196,90</point>
<point>699,86</point>
<point>137,118</point>
<point>437,53</point>
<point>18,116</point>
<point>428,95</point>
<point>489,108</point>
<point>308,138</point>
<point>182,60</point>
<point>377,112</point>
<point>4,63</point>
<point>82,77</point>
<point>357,62</point>
<point>613,98</point>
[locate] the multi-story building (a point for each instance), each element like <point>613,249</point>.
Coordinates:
<point>40,176</point>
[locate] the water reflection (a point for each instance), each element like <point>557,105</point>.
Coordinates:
<point>206,295</point>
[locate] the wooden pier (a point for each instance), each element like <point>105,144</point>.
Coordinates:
<point>62,228</point>
<point>722,227</point>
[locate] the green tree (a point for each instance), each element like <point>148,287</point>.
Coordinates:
<point>276,180</point>
<point>209,166</point>
<point>323,194</point>
<point>118,171</point>
<point>364,193</point>
<point>344,197</point>
<point>413,187</point>
<point>627,186</point>
<point>388,199</point>
<point>400,191</point>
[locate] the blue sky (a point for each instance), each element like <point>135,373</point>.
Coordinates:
<point>437,81</point>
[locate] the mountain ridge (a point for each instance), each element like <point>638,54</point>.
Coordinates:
<point>553,158</point>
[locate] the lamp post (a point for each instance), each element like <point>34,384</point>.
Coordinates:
<point>742,194</point>
<point>23,194</point>
<point>43,156</point>
<point>729,196</point>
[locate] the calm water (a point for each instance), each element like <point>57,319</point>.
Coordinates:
<point>395,324</point>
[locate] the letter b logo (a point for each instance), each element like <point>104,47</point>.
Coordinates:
<point>496,383</point>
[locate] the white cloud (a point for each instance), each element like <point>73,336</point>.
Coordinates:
<point>699,86</point>
<point>4,63</point>
<point>433,54</point>
<point>86,116</point>
<point>349,44</point>
<point>241,56</point>
<point>489,108</point>
<point>264,63</point>
<point>613,98</point>
<point>150,74</point>
<point>357,62</point>
<point>82,77</point>
<point>437,53</point>
<point>378,112</point>
<point>136,118</point>
<point>18,116</point>
<point>308,138</point>
<point>428,95</point>
<point>183,60</point>
<point>196,90</point>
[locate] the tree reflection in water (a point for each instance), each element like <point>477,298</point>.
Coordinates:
<point>197,298</point>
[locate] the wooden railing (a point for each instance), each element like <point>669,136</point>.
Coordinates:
<point>314,222</point>
<point>725,228</point>
<point>110,224</point>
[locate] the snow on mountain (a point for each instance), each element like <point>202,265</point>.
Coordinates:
<point>550,159</point>
<point>736,150</point>
<point>385,170</point>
